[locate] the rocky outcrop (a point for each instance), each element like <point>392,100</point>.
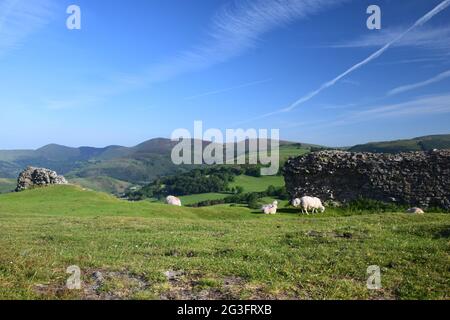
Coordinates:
<point>416,178</point>
<point>32,177</point>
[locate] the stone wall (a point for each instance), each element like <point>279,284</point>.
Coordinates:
<point>31,177</point>
<point>414,178</point>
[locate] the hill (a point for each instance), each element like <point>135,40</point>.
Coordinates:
<point>7,185</point>
<point>217,252</point>
<point>147,161</point>
<point>425,143</point>
<point>143,162</point>
<point>133,165</point>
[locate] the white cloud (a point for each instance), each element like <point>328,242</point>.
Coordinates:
<point>236,28</point>
<point>428,105</point>
<point>436,38</point>
<point>439,77</point>
<point>21,18</point>
<point>421,106</point>
<point>423,20</point>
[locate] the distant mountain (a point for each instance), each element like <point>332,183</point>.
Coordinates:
<point>417,144</point>
<point>143,162</point>
<point>139,164</point>
<point>151,159</point>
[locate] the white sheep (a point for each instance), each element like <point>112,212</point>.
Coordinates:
<point>296,202</point>
<point>415,210</point>
<point>311,203</point>
<point>270,208</point>
<point>173,201</point>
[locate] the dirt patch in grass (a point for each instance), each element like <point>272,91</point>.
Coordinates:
<point>195,287</point>
<point>333,234</point>
<point>98,285</point>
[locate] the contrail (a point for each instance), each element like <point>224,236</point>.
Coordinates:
<point>439,77</point>
<point>442,6</point>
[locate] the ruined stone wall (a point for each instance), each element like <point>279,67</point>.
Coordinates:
<point>413,178</point>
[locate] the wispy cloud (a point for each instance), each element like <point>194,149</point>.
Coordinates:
<point>429,38</point>
<point>236,28</point>
<point>418,106</point>
<point>21,18</point>
<point>439,77</point>
<point>444,56</point>
<point>241,86</point>
<point>423,20</point>
<point>429,105</point>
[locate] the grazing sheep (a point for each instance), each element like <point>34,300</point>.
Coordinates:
<point>270,208</point>
<point>296,202</point>
<point>173,201</point>
<point>311,203</point>
<point>415,210</point>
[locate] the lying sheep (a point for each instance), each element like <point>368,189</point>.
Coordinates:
<point>309,203</point>
<point>173,201</point>
<point>415,211</point>
<point>270,208</point>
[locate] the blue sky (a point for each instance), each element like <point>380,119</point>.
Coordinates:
<point>141,69</point>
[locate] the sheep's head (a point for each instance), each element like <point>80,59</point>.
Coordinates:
<point>322,209</point>
<point>275,203</point>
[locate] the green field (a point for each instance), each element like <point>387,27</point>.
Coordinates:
<point>196,198</point>
<point>257,184</point>
<point>7,185</point>
<point>288,151</point>
<point>104,184</point>
<point>250,184</point>
<point>285,152</point>
<point>210,253</point>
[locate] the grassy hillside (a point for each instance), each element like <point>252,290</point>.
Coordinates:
<point>417,144</point>
<point>287,150</point>
<point>102,183</point>
<point>215,252</point>
<point>141,163</point>
<point>7,185</point>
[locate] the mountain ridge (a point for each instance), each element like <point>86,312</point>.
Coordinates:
<point>151,158</point>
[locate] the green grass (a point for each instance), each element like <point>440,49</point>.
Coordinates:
<point>250,184</point>
<point>196,198</point>
<point>285,152</point>
<point>257,184</point>
<point>288,151</point>
<point>219,252</point>
<point>7,185</point>
<point>102,183</point>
